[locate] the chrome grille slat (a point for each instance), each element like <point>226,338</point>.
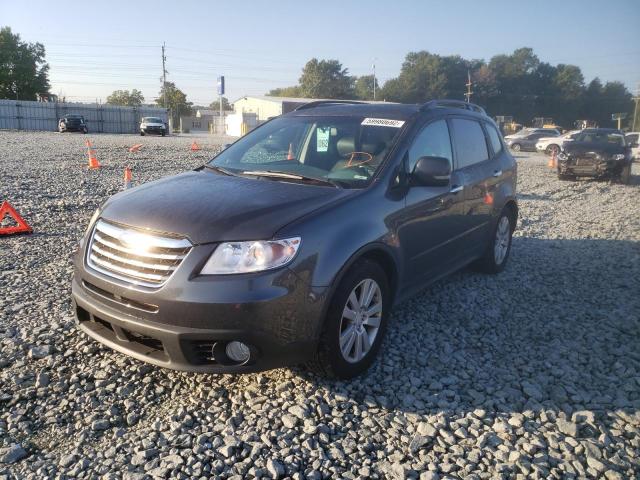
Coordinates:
<point>167,256</point>
<point>112,251</point>
<point>135,263</point>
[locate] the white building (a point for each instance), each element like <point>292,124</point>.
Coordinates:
<point>268,107</point>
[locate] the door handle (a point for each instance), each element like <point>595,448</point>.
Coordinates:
<point>456,188</point>
<point>497,173</point>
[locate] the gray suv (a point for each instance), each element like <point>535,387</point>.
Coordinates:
<point>294,243</point>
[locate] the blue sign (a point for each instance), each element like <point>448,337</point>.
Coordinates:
<point>221,85</point>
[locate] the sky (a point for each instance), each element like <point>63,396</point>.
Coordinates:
<point>94,48</point>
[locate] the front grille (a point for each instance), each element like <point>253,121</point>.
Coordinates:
<point>133,256</point>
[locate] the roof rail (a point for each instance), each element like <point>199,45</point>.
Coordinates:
<point>321,103</point>
<point>452,104</point>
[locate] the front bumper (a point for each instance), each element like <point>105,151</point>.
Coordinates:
<point>153,130</point>
<point>590,167</point>
<point>278,314</point>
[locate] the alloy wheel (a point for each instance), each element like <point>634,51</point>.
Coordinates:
<point>501,245</point>
<point>360,320</point>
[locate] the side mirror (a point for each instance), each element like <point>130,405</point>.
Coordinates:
<point>431,172</point>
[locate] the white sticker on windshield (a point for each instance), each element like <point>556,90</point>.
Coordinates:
<point>322,139</point>
<point>383,122</point>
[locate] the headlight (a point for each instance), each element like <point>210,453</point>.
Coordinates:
<point>562,156</point>
<point>618,156</point>
<point>245,257</point>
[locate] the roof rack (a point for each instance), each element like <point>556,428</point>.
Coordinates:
<point>322,103</point>
<point>452,104</point>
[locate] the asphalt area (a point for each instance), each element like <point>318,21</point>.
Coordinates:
<point>534,373</point>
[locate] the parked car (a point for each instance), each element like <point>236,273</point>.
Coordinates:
<point>551,132</point>
<point>293,244</point>
<point>528,142</point>
<point>551,145</point>
<point>633,139</point>
<point>152,125</point>
<point>72,123</point>
<point>596,152</point>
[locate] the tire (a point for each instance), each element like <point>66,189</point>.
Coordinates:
<point>85,131</point>
<point>491,262</point>
<point>565,176</point>
<point>516,147</point>
<point>330,360</point>
<point>163,134</point>
<point>142,134</point>
<point>625,175</point>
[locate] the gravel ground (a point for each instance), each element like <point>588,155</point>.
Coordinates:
<point>534,373</point>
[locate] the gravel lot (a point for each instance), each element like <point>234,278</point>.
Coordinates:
<point>534,373</point>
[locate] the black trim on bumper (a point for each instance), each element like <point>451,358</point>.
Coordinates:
<point>186,348</point>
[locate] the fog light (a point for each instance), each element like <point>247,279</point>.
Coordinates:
<point>237,351</point>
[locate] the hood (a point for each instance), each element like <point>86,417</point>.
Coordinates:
<point>208,207</point>
<point>153,124</point>
<point>591,149</point>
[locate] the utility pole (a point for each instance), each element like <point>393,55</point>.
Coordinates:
<point>469,92</point>
<point>635,110</point>
<point>374,79</point>
<point>164,78</point>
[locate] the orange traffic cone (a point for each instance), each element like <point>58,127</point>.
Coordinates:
<point>290,154</point>
<point>195,147</point>
<point>135,148</point>
<point>91,152</point>
<point>128,181</point>
<point>553,161</point>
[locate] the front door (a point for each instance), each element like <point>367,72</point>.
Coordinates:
<point>431,224</point>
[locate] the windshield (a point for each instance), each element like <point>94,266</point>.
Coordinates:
<point>345,150</point>
<point>601,137</point>
<point>152,120</point>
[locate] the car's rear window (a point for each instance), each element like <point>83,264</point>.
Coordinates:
<point>348,150</point>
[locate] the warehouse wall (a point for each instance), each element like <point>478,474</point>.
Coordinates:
<point>23,115</point>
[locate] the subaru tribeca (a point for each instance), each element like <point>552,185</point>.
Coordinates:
<point>294,243</point>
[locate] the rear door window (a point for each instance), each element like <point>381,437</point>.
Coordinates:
<point>470,142</point>
<point>494,138</point>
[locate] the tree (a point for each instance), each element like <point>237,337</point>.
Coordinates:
<point>421,78</point>
<point>286,92</point>
<point>23,69</point>
<point>363,88</point>
<point>176,102</point>
<point>126,98</point>
<point>325,79</point>
<point>225,104</point>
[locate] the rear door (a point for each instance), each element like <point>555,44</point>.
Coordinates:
<point>480,170</point>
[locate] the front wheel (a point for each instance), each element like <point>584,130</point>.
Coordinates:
<point>355,322</point>
<point>142,134</point>
<point>495,257</point>
<point>516,147</point>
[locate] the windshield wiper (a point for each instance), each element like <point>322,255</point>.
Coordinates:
<point>221,170</point>
<point>291,176</point>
